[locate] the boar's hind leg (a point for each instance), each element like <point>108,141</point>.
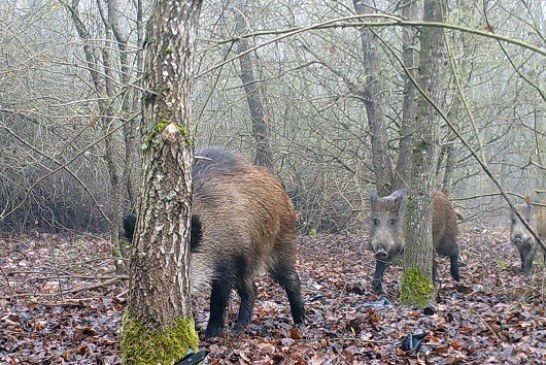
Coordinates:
<point>454,260</point>
<point>448,247</point>
<point>247,292</point>
<point>284,272</point>
<point>219,298</point>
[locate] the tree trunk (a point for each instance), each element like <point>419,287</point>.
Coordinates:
<point>416,284</point>
<point>447,180</point>
<point>371,96</point>
<point>130,101</point>
<point>158,325</point>
<point>103,82</point>
<point>260,119</point>
<point>410,44</point>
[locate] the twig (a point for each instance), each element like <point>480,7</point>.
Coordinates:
<point>486,325</point>
<point>6,277</point>
<point>71,291</point>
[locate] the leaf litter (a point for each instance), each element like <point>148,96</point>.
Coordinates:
<point>61,303</point>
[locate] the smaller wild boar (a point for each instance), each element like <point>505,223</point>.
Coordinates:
<point>535,216</point>
<point>388,237</point>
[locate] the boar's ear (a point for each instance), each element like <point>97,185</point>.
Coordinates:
<point>373,199</point>
<point>400,199</point>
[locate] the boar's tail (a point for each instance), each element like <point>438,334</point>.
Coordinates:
<point>129,223</point>
<point>196,233</point>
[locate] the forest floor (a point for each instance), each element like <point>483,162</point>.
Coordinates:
<point>58,306</point>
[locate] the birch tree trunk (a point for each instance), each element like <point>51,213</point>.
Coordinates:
<point>158,325</point>
<point>416,285</point>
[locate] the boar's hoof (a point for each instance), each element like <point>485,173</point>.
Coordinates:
<point>212,332</point>
<point>377,286</point>
<point>238,328</point>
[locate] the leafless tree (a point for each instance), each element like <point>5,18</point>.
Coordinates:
<point>159,304</point>
<point>426,146</point>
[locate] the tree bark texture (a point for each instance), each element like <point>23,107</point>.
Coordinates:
<point>410,44</point>
<point>371,95</point>
<point>157,325</point>
<point>419,245</point>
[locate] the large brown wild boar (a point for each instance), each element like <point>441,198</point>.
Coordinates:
<point>535,216</point>
<point>242,220</point>
<point>388,237</point>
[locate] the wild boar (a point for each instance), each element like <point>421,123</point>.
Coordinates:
<point>388,232</point>
<point>535,216</point>
<point>242,220</point>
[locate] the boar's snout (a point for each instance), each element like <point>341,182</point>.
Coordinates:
<point>517,238</point>
<point>382,255</point>
<point>520,239</point>
<point>386,253</point>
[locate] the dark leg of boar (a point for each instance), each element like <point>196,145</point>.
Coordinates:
<point>287,277</point>
<point>448,247</point>
<point>455,267</point>
<point>283,271</point>
<point>377,282</point>
<point>527,255</point>
<point>233,272</point>
<point>219,299</point>
<point>247,293</point>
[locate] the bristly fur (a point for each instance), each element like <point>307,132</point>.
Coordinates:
<point>242,220</point>
<point>388,237</point>
<point>535,216</point>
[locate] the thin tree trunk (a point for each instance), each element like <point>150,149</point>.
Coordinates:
<point>447,154</point>
<point>158,325</point>
<point>416,284</point>
<point>260,119</point>
<point>410,42</point>
<point>105,89</point>
<point>131,98</point>
<point>133,153</point>
<point>372,98</point>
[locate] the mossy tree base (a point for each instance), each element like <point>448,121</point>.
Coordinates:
<point>416,288</point>
<point>141,345</point>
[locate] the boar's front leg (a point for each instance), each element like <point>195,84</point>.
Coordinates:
<point>377,282</point>
<point>527,256</point>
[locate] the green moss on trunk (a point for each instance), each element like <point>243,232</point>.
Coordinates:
<point>416,288</point>
<point>141,345</point>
